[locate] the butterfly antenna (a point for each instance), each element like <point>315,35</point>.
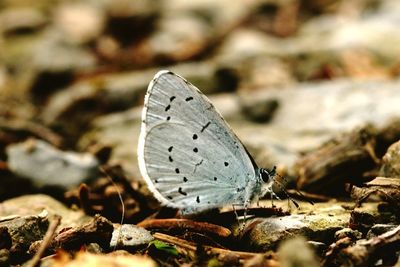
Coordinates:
<point>272,174</point>
<point>120,200</point>
<point>284,191</point>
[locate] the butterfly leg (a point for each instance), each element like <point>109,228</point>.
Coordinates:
<point>241,226</point>
<point>234,210</point>
<point>273,195</point>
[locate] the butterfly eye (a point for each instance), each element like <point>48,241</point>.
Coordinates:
<point>266,175</point>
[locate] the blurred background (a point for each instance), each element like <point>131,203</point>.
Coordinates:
<point>287,75</point>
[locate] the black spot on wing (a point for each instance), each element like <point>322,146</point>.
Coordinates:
<point>195,150</point>
<point>185,179</point>
<point>205,126</point>
<point>226,164</point>
<point>167,107</point>
<point>170,159</point>
<point>239,189</point>
<point>172,98</point>
<point>189,99</point>
<point>177,170</point>
<point>195,137</point>
<point>170,148</point>
<point>198,199</point>
<point>181,192</point>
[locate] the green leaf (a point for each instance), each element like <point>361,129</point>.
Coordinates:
<point>160,245</point>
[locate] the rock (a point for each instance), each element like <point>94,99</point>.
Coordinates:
<point>260,111</point>
<point>318,223</point>
<point>179,37</point>
<point>113,93</point>
<point>53,64</point>
<point>341,105</point>
<point>129,236</point>
<point>32,205</point>
<point>347,232</point>
<point>379,229</point>
<point>296,252</point>
<point>21,19</point>
<point>53,55</point>
<point>385,190</point>
<point>45,165</point>
<point>369,214</point>
<point>245,52</point>
<point>116,258</point>
<point>343,159</point>
<point>24,230</point>
<point>189,29</point>
<point>4,257</point>
<point>332,33</point>
<point>391,161</point>
<point>79,23</point>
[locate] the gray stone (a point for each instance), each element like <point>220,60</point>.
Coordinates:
<point>348,232</point>
<point>42,205</point>
<point>377,31</point>
<point>315,112</point>
<point>369,214</point>
<point>51,54</point>
<point>316,222</point>
<point>379,229</point>
<point>24,230</point>
<point>391,162</point>
<point>45,165</point>
<point>129,236</point>
<point>181,36</point>
<point>296,252</point>
<point>119,131</point>
<point>14,19</point>
<point>118,91</point>
<point>79,23</point>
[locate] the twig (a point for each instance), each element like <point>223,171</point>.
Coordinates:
<point>364,252</point>
<point>202,227</point>
<point>104,171</point>
<point>46,241</point>
<point>211,250</point>
<point>32,128</point>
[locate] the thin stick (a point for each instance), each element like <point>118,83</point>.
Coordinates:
<point>192,247</point>
<point>202,227</point>
<point>46,241</point>
<point>120,200</point>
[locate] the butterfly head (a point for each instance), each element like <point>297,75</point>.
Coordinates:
<point>268,175</point>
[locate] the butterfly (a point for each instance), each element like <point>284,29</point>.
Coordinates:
<point>189,156</point>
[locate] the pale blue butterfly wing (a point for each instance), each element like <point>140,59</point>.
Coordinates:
<point>188,155</point>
